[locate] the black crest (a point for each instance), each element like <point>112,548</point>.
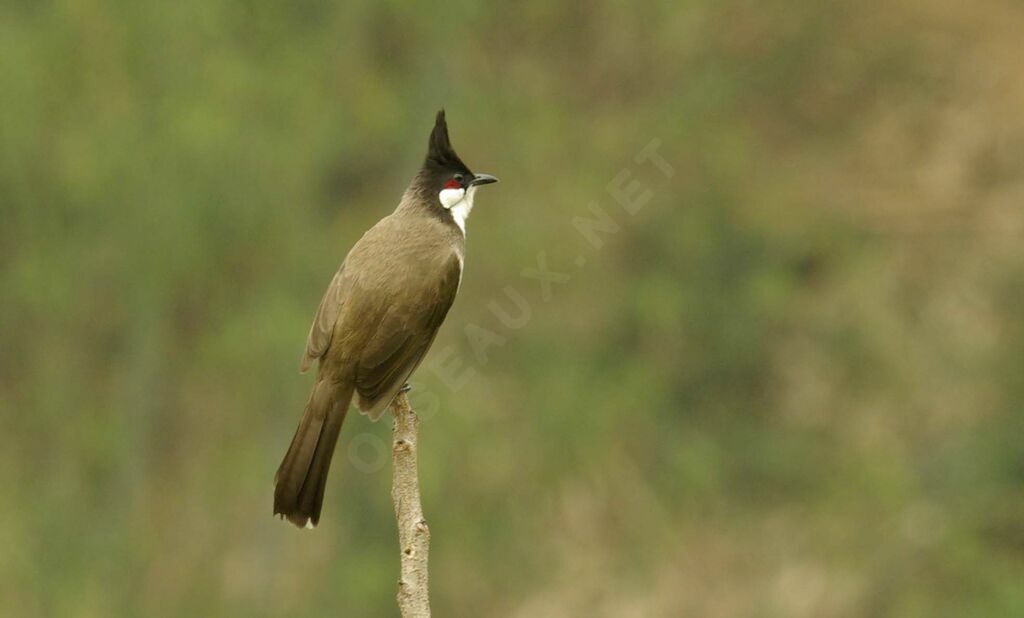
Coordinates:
<point>440,153</point>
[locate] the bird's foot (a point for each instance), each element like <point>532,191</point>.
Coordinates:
<point>405,388</point>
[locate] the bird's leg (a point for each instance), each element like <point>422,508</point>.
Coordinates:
<point>405,388</point>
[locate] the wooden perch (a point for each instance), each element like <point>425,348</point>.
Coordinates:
<point>413,534</point>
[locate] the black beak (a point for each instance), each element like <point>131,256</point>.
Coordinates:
<point>482,179</point>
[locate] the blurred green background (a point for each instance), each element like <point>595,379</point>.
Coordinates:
<point>789,386</point>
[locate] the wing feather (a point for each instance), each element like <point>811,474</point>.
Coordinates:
<point>323,324</point>
<point>402,341</point>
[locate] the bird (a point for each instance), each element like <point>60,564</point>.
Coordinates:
<point>378,318</point>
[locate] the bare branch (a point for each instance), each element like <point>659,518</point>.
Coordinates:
<point>413,534</point>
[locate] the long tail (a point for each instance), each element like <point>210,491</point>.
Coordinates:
<point>301,478</point>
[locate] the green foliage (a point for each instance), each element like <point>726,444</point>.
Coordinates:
<point>789,385</point>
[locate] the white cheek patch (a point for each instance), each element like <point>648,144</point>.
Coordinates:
<point>451,197</point>
<point>459,202</point>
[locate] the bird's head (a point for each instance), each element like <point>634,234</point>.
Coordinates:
<point>446,175</point>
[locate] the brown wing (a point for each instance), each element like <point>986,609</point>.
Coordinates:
<point>323,324</point>
<point>402,340</point>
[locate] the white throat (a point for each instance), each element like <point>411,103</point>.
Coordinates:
<point>459,202</point>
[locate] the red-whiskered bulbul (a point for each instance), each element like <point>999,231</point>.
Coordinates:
<point>378,318</point>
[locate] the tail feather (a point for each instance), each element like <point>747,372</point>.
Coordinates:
<point>302,476</point>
